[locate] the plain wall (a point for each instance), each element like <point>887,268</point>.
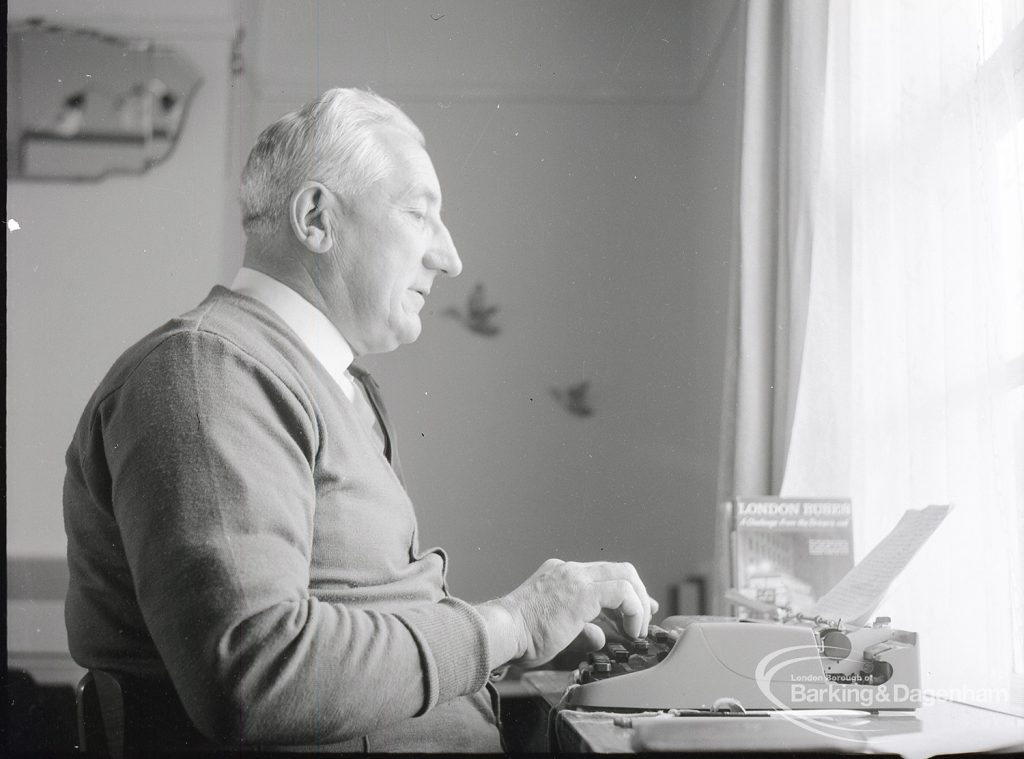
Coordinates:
<point>588,155</point>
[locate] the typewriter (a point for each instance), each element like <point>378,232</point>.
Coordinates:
<point>728,665</point>
<point>826,657</point>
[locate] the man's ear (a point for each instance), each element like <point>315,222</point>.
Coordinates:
<point>310,216</point>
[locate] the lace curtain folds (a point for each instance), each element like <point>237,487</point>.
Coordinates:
<point>878,315</point>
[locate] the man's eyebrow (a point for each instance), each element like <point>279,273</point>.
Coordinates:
<point>418,191</point>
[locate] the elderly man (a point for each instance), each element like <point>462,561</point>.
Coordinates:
<point>237,524</point>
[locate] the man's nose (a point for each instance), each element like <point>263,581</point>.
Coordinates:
<point>442,255</point>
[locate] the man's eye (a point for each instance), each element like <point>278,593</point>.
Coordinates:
<point>418,214</point>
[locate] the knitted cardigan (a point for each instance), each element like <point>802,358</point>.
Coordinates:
<point>233,525</point>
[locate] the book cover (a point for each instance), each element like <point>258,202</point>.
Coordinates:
<point>790,551</point>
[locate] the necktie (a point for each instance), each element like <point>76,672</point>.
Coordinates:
<point>373,396</point>
<point>366,411</point>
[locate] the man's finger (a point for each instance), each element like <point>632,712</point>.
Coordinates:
<point>592,637</point>
<point>641,591</point>
<point>606,570</point>
<point>621,595</point>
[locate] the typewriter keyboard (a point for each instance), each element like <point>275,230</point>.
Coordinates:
<point>623,658</point>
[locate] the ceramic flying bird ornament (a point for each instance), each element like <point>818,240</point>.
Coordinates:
<point>574,398</point>
<point>478,316</point>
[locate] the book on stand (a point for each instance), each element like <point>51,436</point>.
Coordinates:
<point>788,551</point>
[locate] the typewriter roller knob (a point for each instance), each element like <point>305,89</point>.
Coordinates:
<point>879,672</point>
<point>835,644</point>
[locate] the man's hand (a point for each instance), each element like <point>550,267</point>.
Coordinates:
<point>563,601</point>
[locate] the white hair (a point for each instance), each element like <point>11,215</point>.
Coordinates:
<point>332,140</point>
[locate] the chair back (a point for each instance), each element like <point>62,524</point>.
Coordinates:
<point>99,701</point>
<point>120,713</point>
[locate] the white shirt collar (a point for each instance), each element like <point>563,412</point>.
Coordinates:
<point>312,326</point>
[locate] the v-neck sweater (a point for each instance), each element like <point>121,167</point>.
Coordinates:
<point>232,525</point>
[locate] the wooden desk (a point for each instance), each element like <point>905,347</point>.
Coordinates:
<point>941,727</point>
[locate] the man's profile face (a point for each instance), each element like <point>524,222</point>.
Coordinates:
<point>390,245</point>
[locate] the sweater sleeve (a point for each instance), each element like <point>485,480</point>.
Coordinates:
<point>211,458</point>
